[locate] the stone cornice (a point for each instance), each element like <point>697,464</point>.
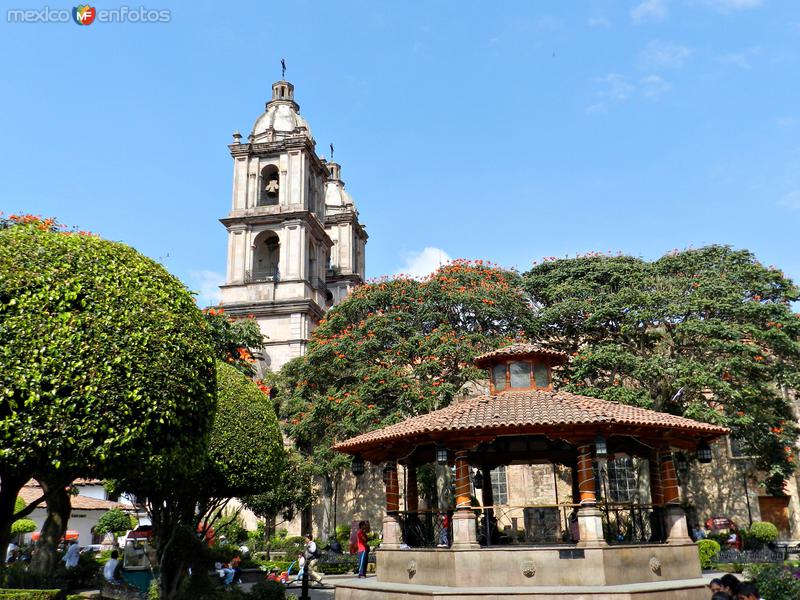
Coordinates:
<point>269,309</point>
<point>347,217</point>
<point>300,142</point>
<point>297,216</point>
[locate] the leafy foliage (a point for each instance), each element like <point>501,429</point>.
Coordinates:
<point>106,360</point>
<point>776,582</point>
<point>115,521</point>
<point>290,492</point>
<point>233,339</point>
<point>395,348</point>
<point>707,333</point>
<point>762,533</point>
<point>708,549</point>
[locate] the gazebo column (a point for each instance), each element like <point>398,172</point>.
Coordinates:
<point>674,518</point>
<point>590,518</point>
<point>464,522</point>
<point>656,497</point>
<point>392,534</point>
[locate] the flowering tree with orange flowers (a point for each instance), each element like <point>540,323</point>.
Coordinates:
<point>707,333</point>
<point>395,348</point>
<point>234,339</point>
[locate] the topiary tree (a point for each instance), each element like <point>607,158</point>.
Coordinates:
<point>708,549</point>
<point>115,521</point>
<point>106,361</point>
<point>761,533</point>
<point>243,455</point>
<point>21,526</point>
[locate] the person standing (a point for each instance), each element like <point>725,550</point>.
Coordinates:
<point>110,568</point>
<point>72,555</point>
<point>363,548</point>
<point>313,555</point>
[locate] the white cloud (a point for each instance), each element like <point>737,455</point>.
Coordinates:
<point>740,59</point>
<point>786,121</point>
<point>727,6</point>
<point>599,21</point>
<point>424,262</point>
<point>791,200</point>
<point>664,54</point>
<point>206,284</point>
<point>653,86</point>
<point>649,10</point>
<point>617,89</point>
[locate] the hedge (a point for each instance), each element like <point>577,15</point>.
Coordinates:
<point>31,594</point>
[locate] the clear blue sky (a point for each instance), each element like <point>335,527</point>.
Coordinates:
<point>506,131</point>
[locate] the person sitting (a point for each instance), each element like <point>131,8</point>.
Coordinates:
<point>730,584</point>
<point>715,585</point>
<point>111,567</point>
<point>237,572</point>
<point>72,555</point>
<point>720,596</point>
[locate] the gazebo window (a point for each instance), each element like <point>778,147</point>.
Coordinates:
<point>520,374</point>
<point>621,480</point>
<point>499,377</point>
<point>500,485</point>
<point>542,375</point>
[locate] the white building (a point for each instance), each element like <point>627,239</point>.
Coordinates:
<point>295,245</point>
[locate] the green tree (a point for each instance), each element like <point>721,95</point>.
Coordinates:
<point>706,333</point>
<point>394,348</point>
<point>234,340</point>
<point>106,363</point>
<point>243,455</point>
<point>115,521</point>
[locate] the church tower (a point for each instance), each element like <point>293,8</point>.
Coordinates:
<point>278,247</point>
<point>346,268</point>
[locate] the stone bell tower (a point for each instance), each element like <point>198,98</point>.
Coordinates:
<point>278,247</point>
<point>346,268</point>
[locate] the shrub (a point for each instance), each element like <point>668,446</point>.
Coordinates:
<point>17,576</point>
<point>708,549</point>
<point>343,535</point>
<point>268,590</point>
<point>80,576</point>
<point>762,533</point>
<point>776,582</point>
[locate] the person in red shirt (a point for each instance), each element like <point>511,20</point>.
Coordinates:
<point>362,547</point>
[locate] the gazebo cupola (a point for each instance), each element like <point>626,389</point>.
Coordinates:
<point>521,367</point>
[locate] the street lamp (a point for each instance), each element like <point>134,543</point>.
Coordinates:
<point>386,471</point>
<point>357,466</point>
<point>681,464</point>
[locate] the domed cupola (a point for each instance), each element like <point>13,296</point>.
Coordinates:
<point>335,194</point>
<point>281,118</point>
<point>521,367</point>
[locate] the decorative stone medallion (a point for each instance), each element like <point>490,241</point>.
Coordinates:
<point>655,565</point>
<point>411,568</point>
<point>528,568</point>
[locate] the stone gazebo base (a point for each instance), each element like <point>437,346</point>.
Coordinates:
<point>657,572</point>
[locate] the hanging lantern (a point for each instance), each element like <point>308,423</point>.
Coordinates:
<point>441,454</point>
<point>477,480</point>
<point>357,466</point>
<point>681,463</point>
<point>704,452</point>
<point>386,471</point>
<point>600,447</point>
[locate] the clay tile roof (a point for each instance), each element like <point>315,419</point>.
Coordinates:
<point>526,412</point>
<point>31,491</point>
<point>516,350</point>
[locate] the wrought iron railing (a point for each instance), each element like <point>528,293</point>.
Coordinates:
<point>262,275</point>
<point>623,523</point>
<point>427,528</point>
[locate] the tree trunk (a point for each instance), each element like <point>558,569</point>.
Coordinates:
<point>327,507</point>
<point>443,494</point>
<point>55,526</point>
<point>9,490</point>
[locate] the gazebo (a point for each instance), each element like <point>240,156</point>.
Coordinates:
<point>523,420</point>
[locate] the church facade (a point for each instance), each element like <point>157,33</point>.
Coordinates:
<point>295,243</point>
